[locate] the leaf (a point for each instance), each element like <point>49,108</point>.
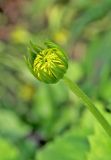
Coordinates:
<point>93,13</point>
<point>100,145</point>
<point>11,125</point>
<point>100,142</point>
<point>68,147</point>
<point>97,65</point>
<point>8,151</point>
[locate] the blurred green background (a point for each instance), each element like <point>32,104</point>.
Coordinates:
<point>47,122</point>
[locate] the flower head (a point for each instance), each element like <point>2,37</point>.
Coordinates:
<point>47,64</point>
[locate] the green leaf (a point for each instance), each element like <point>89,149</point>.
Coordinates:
<point>95,12</point>
<point>100,142</point>
<point>68,147</point>
<point>8,151</point>
<point>11,125</point>
<point>100,145</point>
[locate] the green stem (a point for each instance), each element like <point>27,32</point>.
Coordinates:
<point>88,103</point>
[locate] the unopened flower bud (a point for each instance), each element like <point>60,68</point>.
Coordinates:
<point>47,64</point>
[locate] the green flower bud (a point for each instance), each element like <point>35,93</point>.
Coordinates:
<point>47,64</point>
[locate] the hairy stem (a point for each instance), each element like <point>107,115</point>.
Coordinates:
<point>88,103</point>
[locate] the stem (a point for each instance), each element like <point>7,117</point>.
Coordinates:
<point>88,103</point>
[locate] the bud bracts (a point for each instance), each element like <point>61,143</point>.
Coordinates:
<point>47,65</point>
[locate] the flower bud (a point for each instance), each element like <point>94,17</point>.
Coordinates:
<point>47,64</point>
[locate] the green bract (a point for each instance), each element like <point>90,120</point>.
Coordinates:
<point>47,64</point>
